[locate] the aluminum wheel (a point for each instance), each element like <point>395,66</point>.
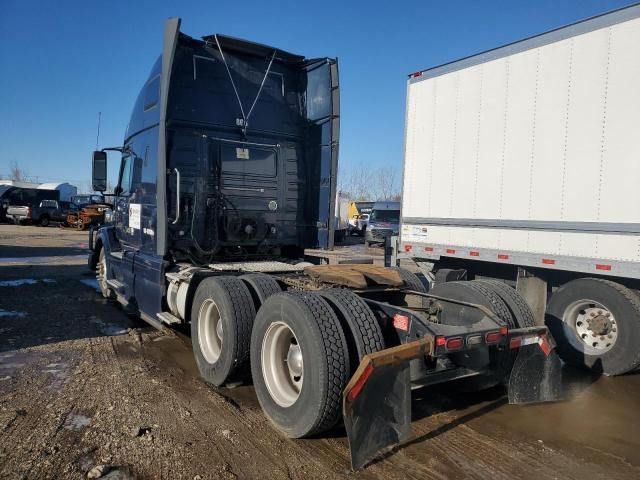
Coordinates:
<point>282,364</point>
<point>210,331</point>
<point>591,327</point>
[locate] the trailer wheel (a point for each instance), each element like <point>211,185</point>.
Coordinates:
<point>261,287</point>
<point>299,362</point>
<point>411,280</point>
<point>499,362</point>
<point>222,316</point>
<point>518,306</point>
<point>101,276</point>
<point>596,324</point>
<point>360,326</point>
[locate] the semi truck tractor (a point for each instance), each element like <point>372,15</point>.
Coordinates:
<point>521,164</point>
<point>227,174</point>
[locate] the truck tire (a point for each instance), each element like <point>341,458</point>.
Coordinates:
<point>299,362</point>
<point>222,315</point>
<point>411,280</point>
<point>44,221</point>
<point>500,361</point>
<point>101,276</point>
<point>596,324</point>
<point>261,287</point>
<point>361,328</point>
<point>518,306</point>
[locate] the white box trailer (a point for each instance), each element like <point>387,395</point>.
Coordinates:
<point>523,163</point>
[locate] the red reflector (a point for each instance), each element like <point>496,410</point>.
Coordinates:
<point>428,249</point>
<point>474,254</point>
<point>451,250</point>
<point>548,261</point>
<point>454,343</point>
<point>492,337</point>
<point>441,341</point>
<point>353,393</point>
<point>407,248</point>
<point>603,267</point>
<point>504,331</point>
<point>545,346</point>
<point>515,342</point>
<point>401,322</point>
<point>416,74</point>
<point>502,256</point>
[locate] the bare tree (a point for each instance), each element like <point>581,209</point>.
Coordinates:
<point>384,183</point>
<point>16,172</point>
<point>364,183</point>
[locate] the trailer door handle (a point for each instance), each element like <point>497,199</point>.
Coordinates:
<point>177,196</point>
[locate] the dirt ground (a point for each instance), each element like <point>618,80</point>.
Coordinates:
<point>83,385</point>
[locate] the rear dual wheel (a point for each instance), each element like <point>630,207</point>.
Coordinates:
<point>507,304</point>
<point>222,317</point>
<point>299,363</point>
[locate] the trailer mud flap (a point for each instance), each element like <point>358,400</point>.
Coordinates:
<point>537,374</point>
<point>377,401</point>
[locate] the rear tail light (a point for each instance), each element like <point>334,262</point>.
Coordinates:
<point>441,341</point>
<point>493,337</point>
<point>455,343</point>
<point>29,212</point>
<point>515,342</point>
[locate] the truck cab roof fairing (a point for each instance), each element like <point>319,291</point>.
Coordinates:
<point>252,48</point>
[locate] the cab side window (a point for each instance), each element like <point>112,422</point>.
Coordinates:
<point>125,175</point>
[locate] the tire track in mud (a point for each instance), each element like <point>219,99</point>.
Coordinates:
<point>256,442</point>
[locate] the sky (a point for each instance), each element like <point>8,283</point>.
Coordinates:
<point>63,61</point>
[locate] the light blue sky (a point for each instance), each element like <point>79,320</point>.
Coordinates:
<point>63,61</point>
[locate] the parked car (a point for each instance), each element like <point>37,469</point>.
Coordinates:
<point>384,221</point>
<point>358,225</point>
<point>46,212</point>
<point>83,200</point>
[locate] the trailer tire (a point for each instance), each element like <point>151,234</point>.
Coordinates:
<point>294,329</point>
<point>411,280</point>
<point>222,316</point>
<point>261,287</point>
<point>623,307</point>
<point>361,328</point>
<point>518,306</point>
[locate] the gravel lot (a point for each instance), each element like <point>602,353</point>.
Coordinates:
<point>82,385</point>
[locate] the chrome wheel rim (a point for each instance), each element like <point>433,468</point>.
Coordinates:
<point>102,274</point>
<point>210,332</point>
<point>590,326</point>
<point>282,364</point>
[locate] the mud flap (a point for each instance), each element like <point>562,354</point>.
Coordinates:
<point>537,374</point>
<point>380,414</point>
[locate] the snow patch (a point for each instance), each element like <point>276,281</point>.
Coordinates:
<point>24,281</point>
<point>11,313</point>
<point>91,282</point>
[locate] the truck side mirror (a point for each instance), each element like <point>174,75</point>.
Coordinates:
<point>99,171</point>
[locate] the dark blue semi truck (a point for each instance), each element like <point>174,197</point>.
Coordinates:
<point>227,174</point>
